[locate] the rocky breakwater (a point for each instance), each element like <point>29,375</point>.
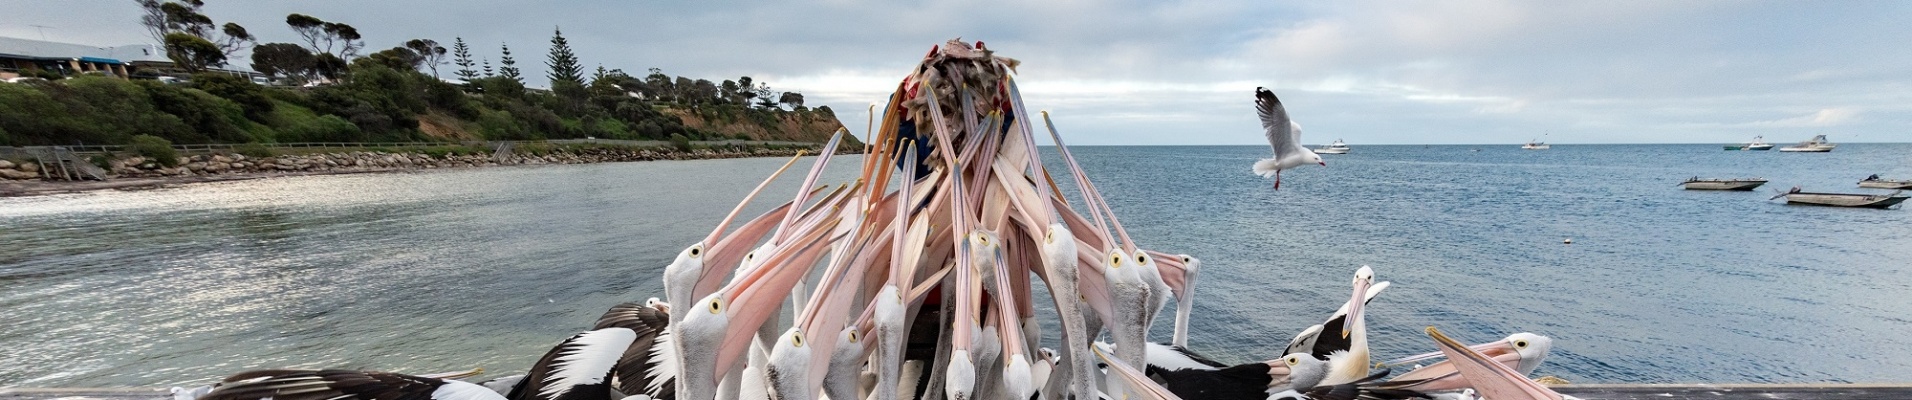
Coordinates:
<point>229,164</point>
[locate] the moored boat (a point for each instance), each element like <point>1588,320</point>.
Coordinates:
<point>1865,200</point>
<point>1334,148</point>
<point>1695,183</point>
<point>1878,183</point>
<point>1535,144</point>
<point>1758,143</point>
<point>1817,144</point>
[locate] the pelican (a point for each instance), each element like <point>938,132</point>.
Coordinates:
<point>1523,352</point>
<point>1490,377</point>
<point>1255,380</point>
<point>1346,352</point>
<point>1284,135</point>
<point>328,384</point>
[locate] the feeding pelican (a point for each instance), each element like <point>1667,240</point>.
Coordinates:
<point>1489,377</point>
<point>1523,352</point>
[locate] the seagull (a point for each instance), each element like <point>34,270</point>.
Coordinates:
<point>1284,135</point>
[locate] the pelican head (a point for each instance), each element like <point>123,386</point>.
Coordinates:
<point>1363,278</point>
<point>1489,377</point>
<point>1300,370</point>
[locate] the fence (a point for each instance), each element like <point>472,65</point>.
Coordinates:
<point>28,151</point>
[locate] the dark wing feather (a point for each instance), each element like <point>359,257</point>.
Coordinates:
<point>1198,358</point>
<point>1246,381</point>
<point>634,366</point>
<point>324,385</point>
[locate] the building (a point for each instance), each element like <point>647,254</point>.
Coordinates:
<point>24,56</point>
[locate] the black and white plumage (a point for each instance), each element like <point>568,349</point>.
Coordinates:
<point>1362,389</point>
<point>614,358</point>
<point>1284,136</point>
<point>645,367</point>
<point>1310,340</point>
<point>338,384</point>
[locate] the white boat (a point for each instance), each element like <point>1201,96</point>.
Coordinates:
<point>1695,183</point>
<point>1758,143</point>
<point>1877,183</point>
<point>1818,144</point>
<point>1536,144</point>
<point>1333,148</point>
<point>1843,199</point>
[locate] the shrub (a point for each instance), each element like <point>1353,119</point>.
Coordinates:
<point>156,148</point>
<point>680,142</point>
<point>240,90</point>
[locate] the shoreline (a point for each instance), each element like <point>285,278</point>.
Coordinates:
<point>136,173</point>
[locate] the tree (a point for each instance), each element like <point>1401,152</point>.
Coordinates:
<point>763,96</point>
<point>429,53</point>
<point>508,67</point>
<point>461,56</point>
<point>283,60</point>
<point>328,65</point>
<point>745,92</point>
<point>326,37</point>
<point>193,53</point>
<point>396,58</point>
<point>793,99</point>
<point>163,18</point>
<point>564,64</point>
<point>488,71</point>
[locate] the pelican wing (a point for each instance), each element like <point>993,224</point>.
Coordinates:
<point>632,375</point>
<point>343,384</point>
<point>1310,340</point>
<point>577,368</point>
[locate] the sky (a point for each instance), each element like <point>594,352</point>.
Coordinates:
<point>1184,72</point>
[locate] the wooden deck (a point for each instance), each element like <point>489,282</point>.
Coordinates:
<point>1898,391</point>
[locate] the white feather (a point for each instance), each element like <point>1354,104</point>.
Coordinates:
<point>461,390</point>
<point>663,367</point>
<point>586,360</point>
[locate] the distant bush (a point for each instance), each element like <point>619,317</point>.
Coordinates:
<point>156,148</point>
<point>250,96</point>
<point>680,142</point>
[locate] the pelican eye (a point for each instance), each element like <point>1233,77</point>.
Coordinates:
<point>1292,361</point>
<point>696,251</point>
<point>1142,259</point>
<point>716,306</point>
<point>1520,344</point>
<point>796,340</point>
<point>852,336</point>
<point>1050,238</point>
<point>1186,259</point>
<point>1115,261</point>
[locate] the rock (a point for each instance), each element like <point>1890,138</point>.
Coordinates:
<point>10,173</point>
<point>4,164</point>
<point>196,166</point>
<point>236,166</point>
<point>149,165</point>
<point>220,158</point>
<point>215,167</point>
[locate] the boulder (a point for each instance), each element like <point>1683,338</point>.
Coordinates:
<point>4,164</point>
<point>10,173</point>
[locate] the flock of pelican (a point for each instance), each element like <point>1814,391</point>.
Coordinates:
<point>922,272</point>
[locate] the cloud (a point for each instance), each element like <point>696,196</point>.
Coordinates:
<point>1822,118</point>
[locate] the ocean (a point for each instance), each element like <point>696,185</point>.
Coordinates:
<point>455,269</point>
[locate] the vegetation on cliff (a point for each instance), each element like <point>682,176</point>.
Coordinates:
<point>331,93</point>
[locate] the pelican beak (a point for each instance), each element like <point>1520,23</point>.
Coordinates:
<point>1490,377</point>
<point>753,297</point>
<point>725,253</point>
<point>1358,303</point>
<point>1499,350</point>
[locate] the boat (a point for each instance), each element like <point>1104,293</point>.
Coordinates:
<point>1695,183</point>
<point>1758,143</point>
<point>1876,183</point>
<point>1795,196</point>
<point>1818,144</point>
<point>1535,144</point>
<point>1333,148</point>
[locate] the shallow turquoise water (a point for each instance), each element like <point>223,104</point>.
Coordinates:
<point>447,270</point>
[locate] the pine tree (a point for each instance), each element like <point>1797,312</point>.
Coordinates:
<point>488,72</point>
<point>563,63</point>
<point>461,56</point>
<point>508,67</point>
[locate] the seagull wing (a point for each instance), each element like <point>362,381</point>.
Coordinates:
<point>1283,134</point>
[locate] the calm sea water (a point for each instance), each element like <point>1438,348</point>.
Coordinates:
<point>448,270</point>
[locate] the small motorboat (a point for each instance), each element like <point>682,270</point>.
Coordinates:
<point>1758,143</point>
<point>1333,148</point>
<point>1818,144</point>
<point>1881,201</point>
<point>1695,183</point>
<point>1535,144</point>
<point>1878,183</point>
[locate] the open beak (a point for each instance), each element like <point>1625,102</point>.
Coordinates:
<point>1489,377</point>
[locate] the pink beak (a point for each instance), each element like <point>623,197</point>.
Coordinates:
<point>1489,377</point>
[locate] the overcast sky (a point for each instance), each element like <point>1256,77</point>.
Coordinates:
<point>1173,72</point>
